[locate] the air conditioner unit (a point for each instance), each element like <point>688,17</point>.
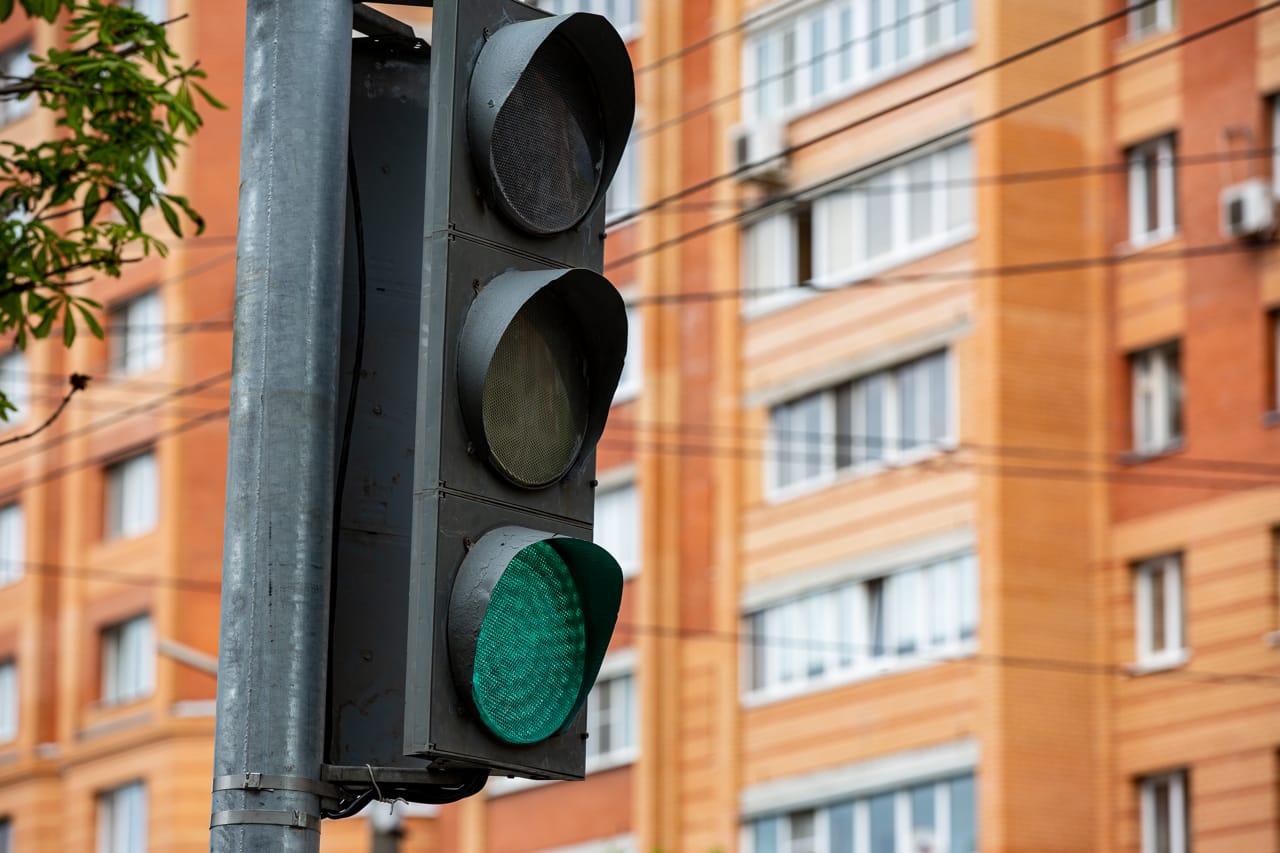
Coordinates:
<point>758,149</point>
<point>1248,210</point>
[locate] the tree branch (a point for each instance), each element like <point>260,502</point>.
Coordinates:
<point>79,382</point>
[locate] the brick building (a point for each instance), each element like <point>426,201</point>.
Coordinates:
<point>944,471</point>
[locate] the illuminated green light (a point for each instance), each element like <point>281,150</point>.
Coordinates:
<point>530,657</point>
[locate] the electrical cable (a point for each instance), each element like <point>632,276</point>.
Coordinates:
<point>970,125</point>
<point>1073,264</point>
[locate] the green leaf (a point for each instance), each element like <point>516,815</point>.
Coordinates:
<point>170,216</point>
<point>91,321</point>
<point>6,9</point>
<point>92,203</point>
<point>209,98</point>
<point>68,325</point>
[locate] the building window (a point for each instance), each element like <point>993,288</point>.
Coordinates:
<point>122,819</point>
<point>898,414</point>
<point>13,555</point>
<point>623,195</point>
<point>911,210</point>
<point>623,14</point>
<point>135,338</point>
<point>611,722</point>
<point>862,628</point>
<point>154,10</point>
<point>1148,18</point>
<point>777,256</point>
<point>1153,191</point>
<point>1159,619</point>
<point>15,66</point>
<point>16,384</point>
<point>128,660</point>
<point>931,816</point>
<point>830,49</point>
<point>1163,806</point>
<point>632,378</point>
<point>6,835</point>
<point>8,701</point>
<point>1157,399</point>
<point>132,493</point>
<point>617,525</point>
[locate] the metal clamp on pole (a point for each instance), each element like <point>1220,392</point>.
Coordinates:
<point>267,782</point>
<point>238,817</point>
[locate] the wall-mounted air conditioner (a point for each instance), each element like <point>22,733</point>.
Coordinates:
<point>1248,210</point>
<point>757,151</point>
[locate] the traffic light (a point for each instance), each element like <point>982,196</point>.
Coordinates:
<point>511,607</point>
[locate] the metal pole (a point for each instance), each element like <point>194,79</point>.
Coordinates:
<point>275,581</point>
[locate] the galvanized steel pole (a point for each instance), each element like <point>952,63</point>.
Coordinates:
<point>275,582</point>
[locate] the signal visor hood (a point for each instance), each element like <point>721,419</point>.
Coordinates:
<point>519,91</point>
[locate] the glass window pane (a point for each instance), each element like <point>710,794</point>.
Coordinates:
<point>877,633</point>
<point>964,820</point>
<point>882,824</point>
<point>939,407</point>
<point>873,392</point>
<point>959,169</point>
<point>922,806</point>
<point>845,437</point>
<point>840,828</point>
<point>835,215</point>
<point>879,216</point>
<point>846,42</point>
<point>764,835</point>
<point>919,199</point>
<point>903,16</point>
<point>818,53</point>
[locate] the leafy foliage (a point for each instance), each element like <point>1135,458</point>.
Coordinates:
<point>72,207</point>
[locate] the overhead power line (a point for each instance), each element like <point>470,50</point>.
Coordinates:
<point>932,141</point>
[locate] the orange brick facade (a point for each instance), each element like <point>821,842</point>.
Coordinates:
<point>1052,708</point>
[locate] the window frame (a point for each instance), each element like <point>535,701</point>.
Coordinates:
<point>777,661</point>
<point>612,675</point>
<point>630,568</point>
<point>1157,371</point>
<point>130,799</point>
<point>117,476</point>
<point>893,449</point>
<point>1174,651</point>
<point>1163,151</point>
<point>10,699</point>
<point>137,342</point>
<point>16,376</point>
<point>124,680</point>
<point>1179,813</point>
<point>631,382</point>
<point>867,39</point>
<point>13,542</point>
<point>1164,19</point>
<point>15,61</point>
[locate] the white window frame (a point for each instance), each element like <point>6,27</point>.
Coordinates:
<point>893,450</point>
<point>624,192</point>
<point>630,564</point>
<point>1166,571</point>
<point>128,660</point>
<point>1157,395</point>
<point>858,806</point>
<point>616,670</point>
<point>135,336</point>
<point>761,95</point>
<point>131,488</point>
<point>632,380</point>
<point>942,190</point>
<point>1142,232</point>
<point>15,61</point>
<point>803,638</point>
<point>15,381</point>
<point>122,819</point>
<point>9,693</point>
<point>13,547</point>
<point>1163,14</point>
<point>1176,785</point>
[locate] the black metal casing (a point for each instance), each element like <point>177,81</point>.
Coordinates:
<point>471,249</point>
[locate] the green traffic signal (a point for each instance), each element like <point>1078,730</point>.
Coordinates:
<point>532,648</point>
<point>530,618</point>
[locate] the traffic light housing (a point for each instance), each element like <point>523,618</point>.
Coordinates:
<point>511,607</point>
